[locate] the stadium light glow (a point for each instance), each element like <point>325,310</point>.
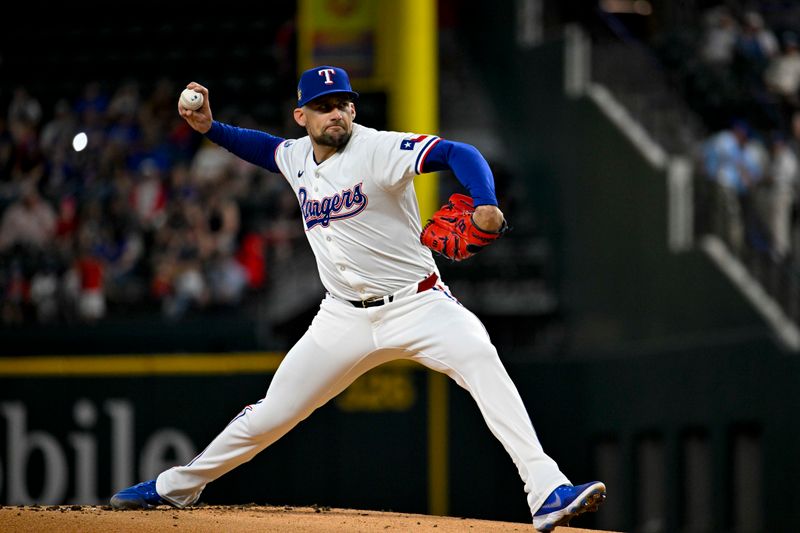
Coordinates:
<point>80,141</point>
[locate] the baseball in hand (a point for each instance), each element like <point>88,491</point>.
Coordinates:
<point>191,99</point>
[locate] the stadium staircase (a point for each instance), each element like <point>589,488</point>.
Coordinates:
<point>627,79</point>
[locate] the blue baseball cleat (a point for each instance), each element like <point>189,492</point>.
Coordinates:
<point>141,496</point>
<point>567,502</point>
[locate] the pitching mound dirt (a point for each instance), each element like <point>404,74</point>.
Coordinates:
<point>233,519</point>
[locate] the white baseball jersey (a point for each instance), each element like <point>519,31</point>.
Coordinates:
<point>360,210</point>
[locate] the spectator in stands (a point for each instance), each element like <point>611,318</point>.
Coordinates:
<point>93,100</point>
<point>183,245</point>
<point>754,22</point>
<point>27,160</point>
<point>55,143</point>
<point>24,107</point>
<point>282,233</point>
<point>210,163</point>
<point>181,187</point>
<point>15,293</point>
<point>756,45</point>
<point>59,131</point>
<point>150,146</point>
<point>188,290</point>
<point>158,110</point>
<point>227,280</point>
<point>252,256</point>
<point>125,102</point>
<point>719,39</point>
<point>29,222</point>
<point>782,78</point>
<point>6,154</point>
<point>67,222</point>
<point>122,251</point>
<point>44,293</point>
<point>149,196</point>
<point>793,140</point>
<point>223,218</point>
<point>66,231</point>
<point>731,163</point>
<point>91,298</point>
<point>782,194</point>
<point>124,131</point>
<point>144,205</point>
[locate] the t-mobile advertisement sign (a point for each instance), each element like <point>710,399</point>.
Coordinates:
<point>49,467</point>
<point>78,440</point>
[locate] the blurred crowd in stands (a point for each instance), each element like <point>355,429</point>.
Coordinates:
<point>749,74</point>
<point>149,216</point>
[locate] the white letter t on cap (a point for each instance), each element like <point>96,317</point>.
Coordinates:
<point>327,72</point>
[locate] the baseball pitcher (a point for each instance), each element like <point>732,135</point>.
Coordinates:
<point>385,297</point>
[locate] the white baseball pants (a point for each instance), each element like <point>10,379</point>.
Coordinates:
<point>342,343</point>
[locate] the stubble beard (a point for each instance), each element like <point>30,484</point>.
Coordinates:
<point>333,140</point>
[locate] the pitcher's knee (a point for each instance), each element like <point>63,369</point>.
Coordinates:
<point>476,355</point>
<point>268,420</point>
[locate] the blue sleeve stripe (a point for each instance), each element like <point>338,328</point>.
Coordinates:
<point>470,167</point>
<point>253,146</point>
<point>424,153</point>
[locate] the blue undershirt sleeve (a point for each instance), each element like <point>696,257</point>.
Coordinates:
<point>469,166</point>
<point>254,146</point>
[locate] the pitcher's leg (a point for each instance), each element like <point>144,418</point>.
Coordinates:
<point>309,376</point>
<point>505,414</point>
<point>450,339</point>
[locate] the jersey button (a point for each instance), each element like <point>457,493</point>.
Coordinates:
<point>328,239</point>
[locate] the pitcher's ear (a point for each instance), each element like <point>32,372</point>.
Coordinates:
<point>300,117</point>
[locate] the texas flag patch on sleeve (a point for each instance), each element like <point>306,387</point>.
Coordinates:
<point>411,142</point>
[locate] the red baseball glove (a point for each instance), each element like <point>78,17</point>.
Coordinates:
<point>452,233</point>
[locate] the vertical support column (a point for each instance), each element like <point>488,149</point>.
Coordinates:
<point>413,86</point>
<point>577,61</point>
<point>438,458</point>
<point>680,194</point>
<point>720,503</point>
<point>672,476</point>
<point>413,80</point>
<point>628,489</point>
<point>407,67</point>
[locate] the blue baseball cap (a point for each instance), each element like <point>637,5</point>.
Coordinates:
<point>323,80</point>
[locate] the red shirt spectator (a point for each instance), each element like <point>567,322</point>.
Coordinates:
<point>251,257</point>
<point>91,273</point>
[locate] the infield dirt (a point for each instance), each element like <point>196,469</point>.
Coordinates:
<point>240,519</point>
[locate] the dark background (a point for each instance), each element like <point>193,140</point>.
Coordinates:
<point>617,344</point>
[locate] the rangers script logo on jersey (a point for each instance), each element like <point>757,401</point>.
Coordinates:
<point>346,204</point>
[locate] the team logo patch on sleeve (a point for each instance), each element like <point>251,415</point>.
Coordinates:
<point>411,142</point>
